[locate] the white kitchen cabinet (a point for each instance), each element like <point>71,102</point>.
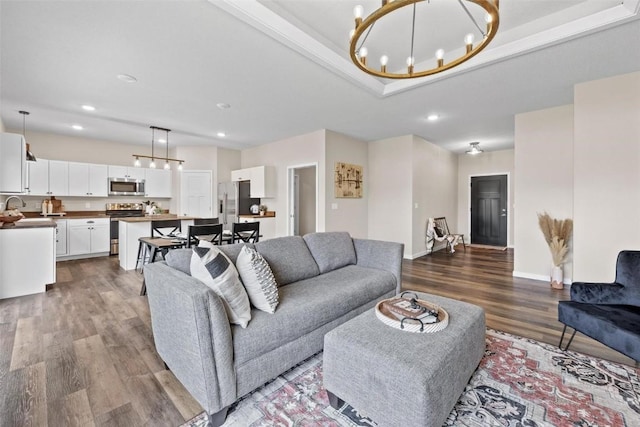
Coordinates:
<point>157,183</point>
<point>88,236</point>
<point>27,260</point>
<point>87,179</point>
<point>61,237</point>
<point>13,166</point>
<point>48,178</point>
<point>126,172</point>
<point>267,225</point>
<point>261,178</point>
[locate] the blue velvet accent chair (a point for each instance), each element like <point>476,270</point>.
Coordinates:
<point>607,312</point>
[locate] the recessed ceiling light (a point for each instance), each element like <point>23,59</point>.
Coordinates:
<point>77,127</point>
<point>221,134</point>
<point>223,105</point>
<point>88,108</point>
<point>162,140</point>
<point>432,117</point>
<point>127,78</point>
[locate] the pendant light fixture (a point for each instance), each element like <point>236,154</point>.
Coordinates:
<point>29,155</point>
<point>153,157</point>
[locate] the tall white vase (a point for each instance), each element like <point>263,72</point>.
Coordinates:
<point>557,276</point>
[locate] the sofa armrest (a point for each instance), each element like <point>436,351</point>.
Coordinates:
<point>192,335</point>
<point>382,255</point>
<point>598,293</point>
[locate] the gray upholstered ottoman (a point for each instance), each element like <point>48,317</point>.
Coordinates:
<point>400,378</point>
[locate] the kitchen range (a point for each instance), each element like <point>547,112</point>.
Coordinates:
<point>117,211</point>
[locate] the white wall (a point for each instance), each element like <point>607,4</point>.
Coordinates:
<point>351,214</point>
<point>296,151</point>
<point>606,174</point>
<point>487,163</point>
<point>434,189</point>
<point>543,182</point>
<point>390,191</point>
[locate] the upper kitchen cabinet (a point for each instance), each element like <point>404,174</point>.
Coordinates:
<point>261,178</point>
<point>157,183</point>
<point>48,178</point>
<point>126,172</point>
<point>13,168</point>
<point>87,179</point>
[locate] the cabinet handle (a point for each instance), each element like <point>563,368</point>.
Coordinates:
<point>91,222</point>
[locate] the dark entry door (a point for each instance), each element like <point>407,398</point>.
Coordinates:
<point>489,210</point>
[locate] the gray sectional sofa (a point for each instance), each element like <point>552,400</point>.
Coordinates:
<point>324,279</point>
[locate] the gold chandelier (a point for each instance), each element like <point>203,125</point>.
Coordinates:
<point>358,51</point>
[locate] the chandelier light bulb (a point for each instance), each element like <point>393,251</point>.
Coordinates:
<point>363,52</point>
<point>468,39</point>
<point>410,61</point>
<point>440,54</point>
<point>358,11</point>
<point>488,18</point>
<point>384,60</point>
<point>351,33</point>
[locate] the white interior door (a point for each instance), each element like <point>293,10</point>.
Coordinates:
<point>195,194</point>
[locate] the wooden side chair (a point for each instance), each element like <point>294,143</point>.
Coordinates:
<point>209,232</point>
<point>440,232</point>
<point>248,232</point>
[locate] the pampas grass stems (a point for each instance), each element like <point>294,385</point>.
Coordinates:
<point>557,233</point>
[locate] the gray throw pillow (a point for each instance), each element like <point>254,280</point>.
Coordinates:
<point>215,270</point>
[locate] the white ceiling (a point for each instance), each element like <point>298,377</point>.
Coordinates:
<point>284,68</point>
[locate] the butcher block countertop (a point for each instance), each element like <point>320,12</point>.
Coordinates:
<point>148,218</point>
<point>28,223</point>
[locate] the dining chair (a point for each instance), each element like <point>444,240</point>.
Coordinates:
<point>209,232</point>
<point>248,232</point>
<point>205,221</point>
<point>165,227</point>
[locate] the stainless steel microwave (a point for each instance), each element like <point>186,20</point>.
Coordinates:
<point>126,187</point>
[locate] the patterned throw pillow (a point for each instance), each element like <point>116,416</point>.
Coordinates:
<point>258,279</point>
<point>215,270</point>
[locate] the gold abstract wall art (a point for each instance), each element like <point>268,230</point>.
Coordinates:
<point>348,180</point>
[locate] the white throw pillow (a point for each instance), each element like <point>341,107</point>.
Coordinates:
<point>258,279</point>
<point>214,268</point>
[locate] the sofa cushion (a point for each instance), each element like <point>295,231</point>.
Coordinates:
<point>180,259</point>
<point>331,250</point>
<point>257,279</point>
<point>215,270</point>
<point>307,305</point>
<point>289,259</point>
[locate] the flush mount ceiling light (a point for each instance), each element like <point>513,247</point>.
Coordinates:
<point>474,150</point>
<point>153,157</point>
<point>29,155</point>
<point>126,78</point>
<point>358,49</point>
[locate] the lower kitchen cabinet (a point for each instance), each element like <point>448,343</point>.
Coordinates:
<point>88,236</point>
<point>61,237</point>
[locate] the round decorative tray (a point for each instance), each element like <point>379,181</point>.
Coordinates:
<point>412,325</point>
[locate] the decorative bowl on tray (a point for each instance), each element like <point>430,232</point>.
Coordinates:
<point>10,219</point>
<point>409,324</point>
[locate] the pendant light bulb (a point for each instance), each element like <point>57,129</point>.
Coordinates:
<point>152,165</point>
<point>180,166</point>
<point>137,162</point>
<point>166,165</point>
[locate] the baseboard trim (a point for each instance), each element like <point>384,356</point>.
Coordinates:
<point>540,277</point>
<point>416,255</point>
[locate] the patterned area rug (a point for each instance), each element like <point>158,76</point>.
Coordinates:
<point>519,383</point>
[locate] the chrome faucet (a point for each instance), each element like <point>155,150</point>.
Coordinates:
<point>6,202</point>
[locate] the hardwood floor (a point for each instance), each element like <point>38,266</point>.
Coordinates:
<point>82,354</point>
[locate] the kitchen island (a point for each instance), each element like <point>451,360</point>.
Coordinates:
<point>132,228</point>
<point>27,257</point>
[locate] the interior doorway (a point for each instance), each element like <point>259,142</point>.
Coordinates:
<point>195,193</point>
<point>303,199</point>
<point>489,210</point>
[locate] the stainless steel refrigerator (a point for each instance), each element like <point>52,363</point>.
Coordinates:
<point>233,200</point>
